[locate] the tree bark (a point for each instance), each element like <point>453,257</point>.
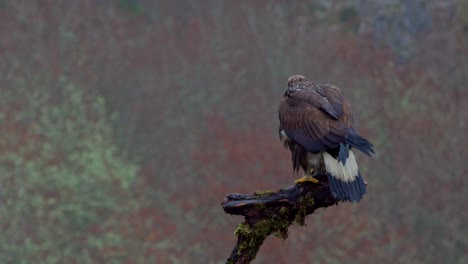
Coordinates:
<point>272,212</point>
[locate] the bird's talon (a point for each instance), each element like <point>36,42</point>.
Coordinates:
<point>306,179</point>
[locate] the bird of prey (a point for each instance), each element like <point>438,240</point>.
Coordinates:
<point>316,124</point>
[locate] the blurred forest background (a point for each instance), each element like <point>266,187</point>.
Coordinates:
<point>125,123</point>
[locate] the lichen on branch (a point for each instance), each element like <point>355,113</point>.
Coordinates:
<point>272,212</point>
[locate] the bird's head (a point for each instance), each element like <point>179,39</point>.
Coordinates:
<point>292,81</point>
<point>295,79</point>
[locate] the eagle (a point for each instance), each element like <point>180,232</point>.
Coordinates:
<point>316,125</point>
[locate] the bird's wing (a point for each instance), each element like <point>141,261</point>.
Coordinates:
<point>312,97</point>
<point>304,119</point>
<point>337,100</point>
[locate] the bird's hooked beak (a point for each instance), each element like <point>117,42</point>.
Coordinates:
<point>291,90</point>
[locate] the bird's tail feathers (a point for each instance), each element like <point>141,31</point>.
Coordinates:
<point>345,180</point>
<point>360,143</point>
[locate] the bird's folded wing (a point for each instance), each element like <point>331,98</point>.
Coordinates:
<point>310,126</point>
<point>337,101</point>
<point>321,102</point>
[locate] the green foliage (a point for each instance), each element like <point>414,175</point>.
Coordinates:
<point>462,14</point>
<point>348,14</point>
<point>131,5</point>
<point>349,18</point>
<point>63,177</point>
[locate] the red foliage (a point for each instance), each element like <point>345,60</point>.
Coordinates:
<point>252,154</point>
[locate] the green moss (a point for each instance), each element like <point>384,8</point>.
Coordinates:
<point>263,193</point>
<point>260,206</point>
<point>305,201</point>
<point>253,236</point>
<point>283,211</point>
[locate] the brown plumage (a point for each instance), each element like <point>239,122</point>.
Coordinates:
<point>317,119</point>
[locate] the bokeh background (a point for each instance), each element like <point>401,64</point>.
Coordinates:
<point>124,123</point>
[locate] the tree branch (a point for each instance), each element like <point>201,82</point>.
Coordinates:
<point>272,212</point>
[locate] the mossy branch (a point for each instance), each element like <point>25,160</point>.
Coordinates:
<point>272,212</point>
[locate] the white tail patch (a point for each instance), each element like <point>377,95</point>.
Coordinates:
<point>283,137</point>
<point>346,173</point>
